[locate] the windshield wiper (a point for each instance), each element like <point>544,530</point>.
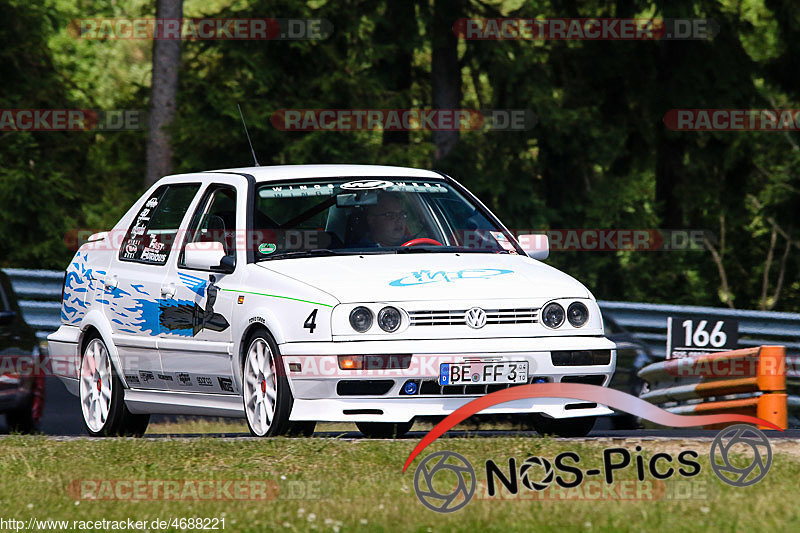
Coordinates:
<point>448,250</point>
<point>317,252</point>
<point>322,252</point>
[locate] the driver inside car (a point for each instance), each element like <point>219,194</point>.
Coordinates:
<point>386,223</point>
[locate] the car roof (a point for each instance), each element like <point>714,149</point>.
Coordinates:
<point>293,172</point>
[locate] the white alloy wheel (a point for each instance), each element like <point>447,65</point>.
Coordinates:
<point>95,385</point>
<point>260,386</point>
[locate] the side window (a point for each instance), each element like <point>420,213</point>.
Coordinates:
<point>215,220</point>
<point>155,227</point>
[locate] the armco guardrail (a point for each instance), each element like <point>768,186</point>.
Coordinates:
<point>648,322</point>
<point>39,295</point>
<point>749,381</point>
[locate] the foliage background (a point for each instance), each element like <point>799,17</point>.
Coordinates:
<point>598,157</point>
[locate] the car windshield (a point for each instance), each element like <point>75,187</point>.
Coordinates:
<point>374,215</point>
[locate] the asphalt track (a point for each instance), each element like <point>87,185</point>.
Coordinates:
<point>62,418</point>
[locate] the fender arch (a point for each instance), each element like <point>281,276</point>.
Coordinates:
<point>95,319</point>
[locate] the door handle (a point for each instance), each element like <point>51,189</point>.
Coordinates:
<point>111,282</point>
<point>168,291</point>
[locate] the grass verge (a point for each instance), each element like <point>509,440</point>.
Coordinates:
<point>357,485</point>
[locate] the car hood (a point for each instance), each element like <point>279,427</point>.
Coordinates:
<point>429,276</point>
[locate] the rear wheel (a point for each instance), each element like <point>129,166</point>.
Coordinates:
<point>102,396</point>
<point>267,398</point>
<point>384,430</point>
<point>563,427</point>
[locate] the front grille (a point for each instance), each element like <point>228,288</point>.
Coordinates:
<point>456,318</point>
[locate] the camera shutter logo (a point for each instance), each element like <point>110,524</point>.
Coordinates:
<point>526,477</point>
<point>733,474</point>
<point>475,318</point>
<point>454,465</point>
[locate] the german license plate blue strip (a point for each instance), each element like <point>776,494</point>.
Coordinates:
<point>444,374</point>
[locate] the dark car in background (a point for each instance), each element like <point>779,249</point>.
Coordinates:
<point>21,384</point>
<point>632,356</point>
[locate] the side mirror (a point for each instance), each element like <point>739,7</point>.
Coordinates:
<point>206,256</point>
<point>536,245</point>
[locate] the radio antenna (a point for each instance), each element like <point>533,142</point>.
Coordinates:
<point>255,160</point>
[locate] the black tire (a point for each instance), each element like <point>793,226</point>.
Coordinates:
<point>384,430</point>
<point>279,424</point>
<point>120,421</point>
<point>301,429</point>
<point>134,425</point>
<point>563,427</point>
<point>21,420</point>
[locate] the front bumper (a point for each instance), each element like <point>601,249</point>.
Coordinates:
<point>316,380</point>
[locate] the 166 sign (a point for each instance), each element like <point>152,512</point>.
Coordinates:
<point>689,336</point>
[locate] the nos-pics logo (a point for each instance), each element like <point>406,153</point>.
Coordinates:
<point>445,481</point>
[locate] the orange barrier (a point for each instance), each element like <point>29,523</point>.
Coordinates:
<point>758,372</point>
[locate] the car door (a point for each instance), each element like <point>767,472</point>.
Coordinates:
<point>197,350</point>
<point>132,292</point>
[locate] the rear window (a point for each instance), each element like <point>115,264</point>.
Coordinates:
<point>155,227</point>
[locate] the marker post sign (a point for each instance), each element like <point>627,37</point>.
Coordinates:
<point>690,336</point>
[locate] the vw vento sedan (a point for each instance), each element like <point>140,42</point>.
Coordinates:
<point>290,295</point>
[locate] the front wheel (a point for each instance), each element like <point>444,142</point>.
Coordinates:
<point>563,427</point>
<point>103,397</point>
<point>267,398</point>
<point>384,430</point>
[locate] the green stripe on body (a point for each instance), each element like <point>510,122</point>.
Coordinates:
<point>276,296</point>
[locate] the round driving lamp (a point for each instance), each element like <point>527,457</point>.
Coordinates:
<point>577,314</point>
<point>361,319</point>
<point>389,319</point>
<point>553,315</point>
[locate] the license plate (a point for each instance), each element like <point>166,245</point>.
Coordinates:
<point>483,373</point>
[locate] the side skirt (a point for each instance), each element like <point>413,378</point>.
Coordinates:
<point>183,403</point>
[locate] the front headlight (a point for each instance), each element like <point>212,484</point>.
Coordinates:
<point>553,315</point>
<point>361,319</point>
<point>389,319</point>
<point>577,314</point>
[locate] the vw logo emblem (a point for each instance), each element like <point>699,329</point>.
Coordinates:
<point>475,318</point>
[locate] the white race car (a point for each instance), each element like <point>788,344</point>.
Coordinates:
<point>290,295</point>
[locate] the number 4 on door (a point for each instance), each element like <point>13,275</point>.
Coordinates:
<point>311,321</point>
